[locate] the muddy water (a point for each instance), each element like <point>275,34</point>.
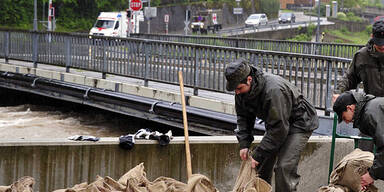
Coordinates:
<point>32,121</point>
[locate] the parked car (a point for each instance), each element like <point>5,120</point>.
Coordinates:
<point>378,18</point>
<point>256,20</point>
<point>287,18</point>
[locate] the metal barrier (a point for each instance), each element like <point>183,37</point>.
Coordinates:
<point>313,48</point>
<point>203,66</point>
<point>336,135</point>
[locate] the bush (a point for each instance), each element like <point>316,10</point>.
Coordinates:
<point>368,29</point>
<point>341,15</point>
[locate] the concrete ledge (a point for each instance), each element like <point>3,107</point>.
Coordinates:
<point>9,68</point>
<point>90,81</point>
<point>72,78</point>
<point>44,73</point>
<point>70,162</point>
<point>115,141</point>
<point>109,85</point>
<point>27,70</point>
<point>213,105</point>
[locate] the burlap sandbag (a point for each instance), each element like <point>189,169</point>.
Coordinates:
<point>349,170</point>
<point>172,184</point>
<point>200,183</point>
<point>333,188</point>
<point>24,184</point>
<point>136,173</point>
<point>248,180</point>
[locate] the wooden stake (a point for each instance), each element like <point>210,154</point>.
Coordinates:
<point>185,121</point>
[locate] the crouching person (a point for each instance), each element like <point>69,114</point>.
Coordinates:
<point>289,122</point>
<point>367,114</point>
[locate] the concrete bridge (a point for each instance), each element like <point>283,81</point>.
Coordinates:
<point>138,77</point>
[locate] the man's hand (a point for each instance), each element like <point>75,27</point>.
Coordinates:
<point>334,97</point>
<point>244,154</point>
<point>254,163</point>
<point>366,180</point>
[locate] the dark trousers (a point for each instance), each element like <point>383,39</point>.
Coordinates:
<point>285,163</point>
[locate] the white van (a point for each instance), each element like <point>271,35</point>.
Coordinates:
<point>115,24</point>
<point>256,20</point>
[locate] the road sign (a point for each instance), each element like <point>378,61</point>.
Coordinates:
<point>214,17</point>
<point>238,11</point>
<point>150,12</point>
<point>136,5</point>
<point>166,18</point>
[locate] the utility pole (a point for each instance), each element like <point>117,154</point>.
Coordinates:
<point>318,21</point>
<point>35,15</point>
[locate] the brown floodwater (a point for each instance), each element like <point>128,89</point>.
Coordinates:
<point>32,121</point>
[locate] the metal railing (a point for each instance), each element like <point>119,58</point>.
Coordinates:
<point>313,48</point>
<point>153,60</point>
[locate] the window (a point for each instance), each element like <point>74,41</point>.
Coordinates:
<point>117,25</point>
<point>104,24</point>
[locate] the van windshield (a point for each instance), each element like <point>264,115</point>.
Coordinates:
<point>104,24</point>
<point>198,18</point>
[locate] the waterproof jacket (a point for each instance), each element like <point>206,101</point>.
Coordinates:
<point>367,66</point>
<point>280,105</point>
<point>369,118</point>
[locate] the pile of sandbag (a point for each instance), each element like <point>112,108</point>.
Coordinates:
<point>248,180</point>
<point>24,184</point>
<point>135,180</point>
<point>346,176</point>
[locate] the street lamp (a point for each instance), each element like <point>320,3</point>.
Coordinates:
<point>318,21</point>
<point>35,15</point>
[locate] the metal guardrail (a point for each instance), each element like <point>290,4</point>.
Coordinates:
<point>153,60</point>
<point>313,48</point>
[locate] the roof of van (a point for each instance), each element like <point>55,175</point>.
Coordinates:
<point>109,15</point>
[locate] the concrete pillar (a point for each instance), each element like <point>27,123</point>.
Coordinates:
<point>334,9</point>
<point>327,10</point>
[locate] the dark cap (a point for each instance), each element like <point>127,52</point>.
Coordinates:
<point>236,72</point>
<point>342,102</point>
<point>378,33</point>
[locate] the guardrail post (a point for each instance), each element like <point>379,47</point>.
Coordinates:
<point>6,46</point>
<point>329,87</point>
<point>196,77</point>
<point>35,37</point>
<point>68,53</point>
<point>104,67</point>
<point>146,70</point>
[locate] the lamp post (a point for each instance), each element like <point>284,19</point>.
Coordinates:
<point>318,21</point>
<point>35,15</point>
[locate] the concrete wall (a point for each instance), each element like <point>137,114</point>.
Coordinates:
<point>60,163</point>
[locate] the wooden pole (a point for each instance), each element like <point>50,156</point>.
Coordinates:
<point>187,150</point>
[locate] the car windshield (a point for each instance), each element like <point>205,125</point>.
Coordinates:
<point>285,15</point>
<point>104,24</point>
<point>254,17</point>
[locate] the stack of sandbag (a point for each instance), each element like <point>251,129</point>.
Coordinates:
<point>135,180</point>
<point>24,184</point>
<point>346,177</point>
<point>248,180</point>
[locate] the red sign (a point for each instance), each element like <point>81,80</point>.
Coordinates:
<point>166,18</point>
<point>136,5</point>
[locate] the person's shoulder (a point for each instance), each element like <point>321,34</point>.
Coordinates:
<point>362,52</point>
